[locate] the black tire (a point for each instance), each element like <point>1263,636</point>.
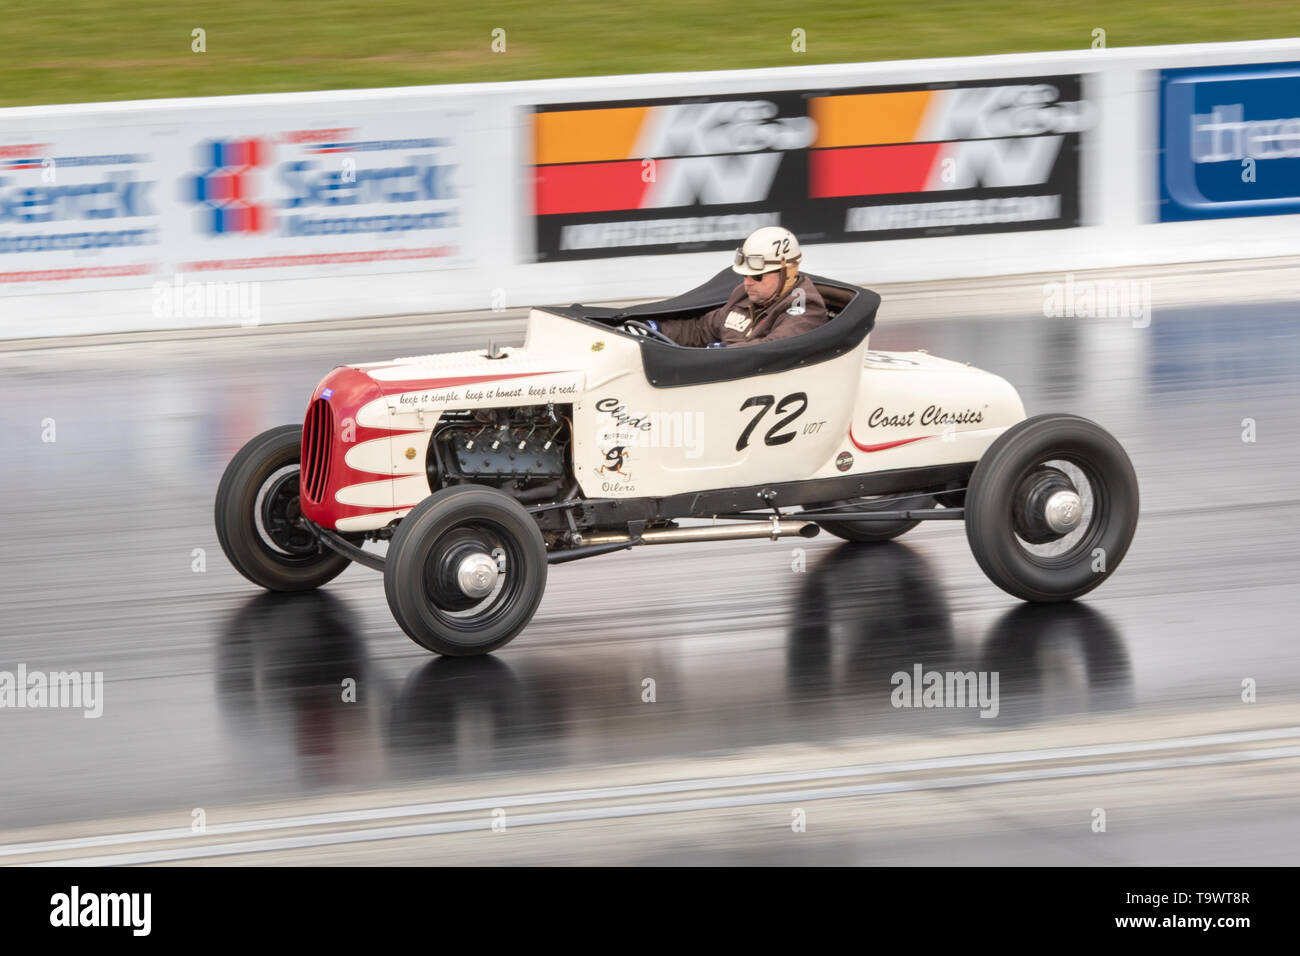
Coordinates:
<point>297,562</point>
<point>1073,565</point>
<point>462,520</point>
<point>874,532</point>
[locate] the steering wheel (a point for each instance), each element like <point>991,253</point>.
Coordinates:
<point>637,327</point>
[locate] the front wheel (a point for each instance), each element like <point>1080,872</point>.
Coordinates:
<point>465,571</point>
<point>256,514</point>
<point>1051,508</point>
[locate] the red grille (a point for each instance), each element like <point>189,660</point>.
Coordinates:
<point>317,450</point>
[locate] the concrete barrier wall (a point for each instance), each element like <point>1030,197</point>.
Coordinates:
<point>309,206</point>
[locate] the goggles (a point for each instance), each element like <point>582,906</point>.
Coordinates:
<point>756,261</point>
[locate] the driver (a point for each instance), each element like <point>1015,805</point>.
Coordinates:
<point>773,302</point>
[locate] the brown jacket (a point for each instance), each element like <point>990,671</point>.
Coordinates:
<point>737,324</point>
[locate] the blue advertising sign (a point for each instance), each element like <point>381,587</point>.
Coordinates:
<point>1229,141</point>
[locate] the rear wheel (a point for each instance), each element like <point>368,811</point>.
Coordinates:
<point>256,514</point>
<point>871,532</point>
<point>1051,508</point>
<point>465,571</point>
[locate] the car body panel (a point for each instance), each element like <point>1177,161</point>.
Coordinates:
<point>858,412</point>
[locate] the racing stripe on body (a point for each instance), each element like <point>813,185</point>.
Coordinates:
<point>883,446</point>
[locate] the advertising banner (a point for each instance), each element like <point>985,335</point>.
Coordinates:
<point>685,175</point>
<point>256,198</point>
<point>80,206</point>
<point>1229,141</point>
<point>363,194</point>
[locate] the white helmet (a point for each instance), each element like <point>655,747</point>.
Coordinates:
<point>766,250</point>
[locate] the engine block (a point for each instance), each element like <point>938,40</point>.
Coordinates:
<point>506,453</point>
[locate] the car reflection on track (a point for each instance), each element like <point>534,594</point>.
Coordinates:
<point>868,613</point>
<point>1057,659</point>
<point>281,666</point>
<point>863,614</point>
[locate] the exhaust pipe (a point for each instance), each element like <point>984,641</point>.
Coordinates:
<point>729,532</point>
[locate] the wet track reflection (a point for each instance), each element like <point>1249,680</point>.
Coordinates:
<point>869,613</point>
<point>864,614</point>
<point>215,693</point>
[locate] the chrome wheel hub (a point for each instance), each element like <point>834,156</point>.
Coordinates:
<point>476,574</point>
<point>1063,511</point>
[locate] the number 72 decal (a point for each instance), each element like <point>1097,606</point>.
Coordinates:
<point>786,407</point>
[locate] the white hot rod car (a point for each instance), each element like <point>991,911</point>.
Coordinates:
<point>481,468</point>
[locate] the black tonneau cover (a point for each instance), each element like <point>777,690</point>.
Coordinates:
<point>853,315</point>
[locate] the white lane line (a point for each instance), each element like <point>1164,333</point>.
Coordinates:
<point>654,789</point>
<point>647,809</point>
<point>735,782</point>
